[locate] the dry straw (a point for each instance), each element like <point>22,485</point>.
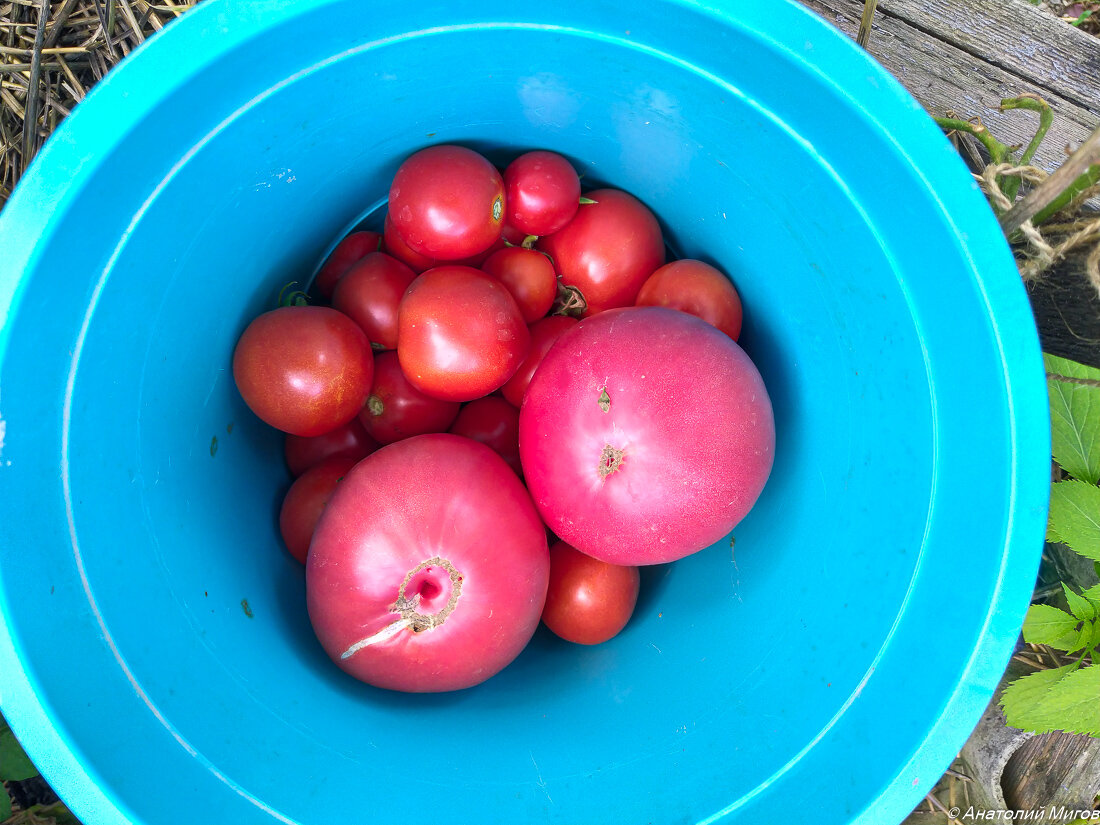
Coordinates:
<point>51,54</point>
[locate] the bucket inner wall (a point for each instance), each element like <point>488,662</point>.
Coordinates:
<point>745,665</point>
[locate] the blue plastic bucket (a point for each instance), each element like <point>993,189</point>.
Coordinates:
<point>156,659</point>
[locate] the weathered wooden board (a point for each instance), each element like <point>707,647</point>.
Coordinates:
<point>966,55</point>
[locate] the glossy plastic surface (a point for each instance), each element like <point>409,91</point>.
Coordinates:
<point>155,657</point>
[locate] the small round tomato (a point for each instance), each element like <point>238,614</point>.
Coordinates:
<point>588,601</point>
<point>542,191</point>
<point>543,335</point>
<point>348,251</point>
<point>495,423</point>
<point>348,441</point>
<point>370,292</point>
<point>529,276</point>
<point>303,369</point>
<point>306,500</point>
<point>460,334</point>
<point>608,250</point>
<point>447,202</point>
<point>698,289</point>
<point>396,409</point>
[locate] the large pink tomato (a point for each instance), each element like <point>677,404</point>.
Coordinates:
<point>428,570</point>
<point>645,435</point>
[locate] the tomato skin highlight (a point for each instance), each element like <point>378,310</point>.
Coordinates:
<point>460,333</point>
<point>349,440</point>
<point>304,370</point>
<point>698,289</point>
<point>447,202</point>
<point>425,519</point>
<point>353,247</point>
<point>370,292</point>
<point>395,409</point>
<point>306,500</point>
<point>542,191</point>
<point>495,423</point>
<point>608,250</point>
<point>543,335</point>
<point>645,435</point>
<point>588,601</point>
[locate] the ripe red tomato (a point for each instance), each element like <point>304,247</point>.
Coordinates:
<point>395,246</point>
<point>447,202</point>
<point>543,335</point>
<point>396,409</point>
<point>428,570</point>
<point>529,276</point>
<point>646,435</point>
<point>542,191</point>
<point>698,289</point>
<point>608,250</point>
<point>306,500</point>
<point>370,292</point>
<point>460,333</point>
<point>588,601</point>
<point>348,441</point>
<point>303,369</point>
<point>348,251</point>
<point>495,423</point>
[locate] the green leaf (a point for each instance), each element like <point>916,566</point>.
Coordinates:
<point>14,764</point>
<point>1079,606</point>
<point>1022,700</point>
<point>1082,639</point>
<point>1072,703</point>
<point>1075,513</point>
<point>1075,417</point>
<point>1094,641</point>
<point>1093,595</point>
<point>5,805</point>
<point>1048,625</point>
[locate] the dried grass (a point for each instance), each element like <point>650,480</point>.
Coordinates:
<point>51,54</point>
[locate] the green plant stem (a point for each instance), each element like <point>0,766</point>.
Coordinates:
<point>1067,177</point>
<point>1011,185</point>
<point>998,152</point>
<point>1090,178</point>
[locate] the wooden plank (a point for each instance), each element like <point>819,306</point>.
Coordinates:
<point>1014,35</point>
<point>966,72</point>
<point>1053,769</point>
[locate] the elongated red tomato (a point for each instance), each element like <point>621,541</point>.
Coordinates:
<point>370,292</point>
<point>447,202</point>
<point>349,441</point>
<point>395,409</point>
<point>348,251</point>
<point>429,567</point>
<point>608,250</point>
<point>303,369</point>
<point>543,335</point>
<point>646,435</point>
<point>589,601</point>
<point>460,334</point>
<point>698,289</point>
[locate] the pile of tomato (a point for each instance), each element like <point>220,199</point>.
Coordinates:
<point>510,403</point>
